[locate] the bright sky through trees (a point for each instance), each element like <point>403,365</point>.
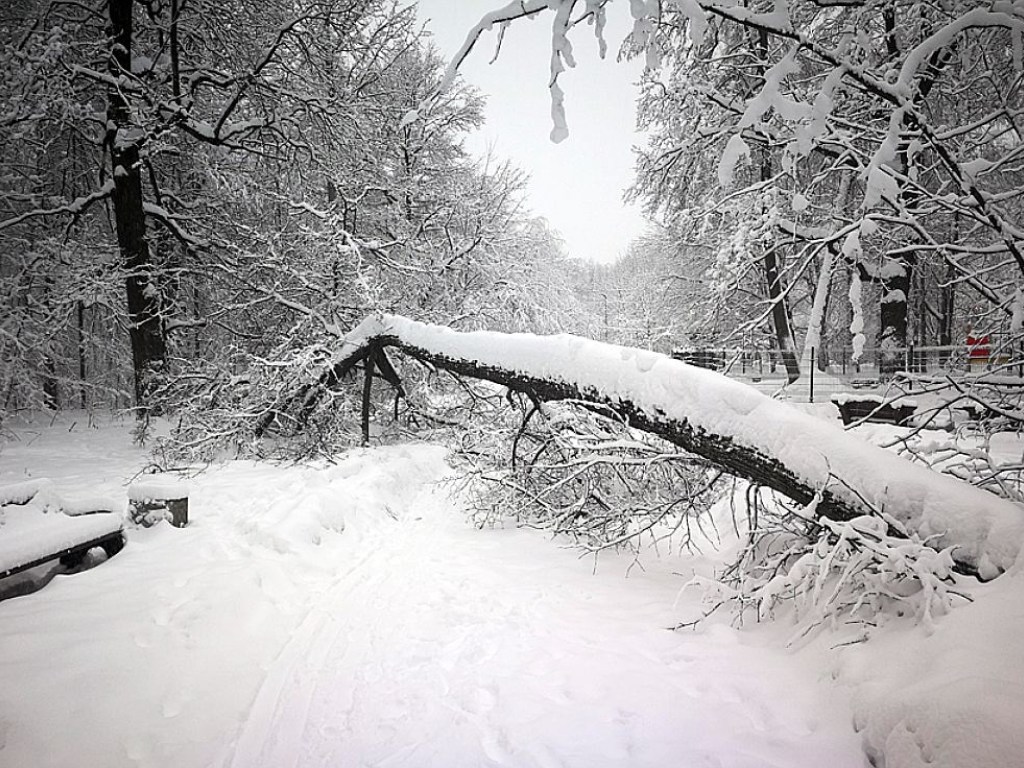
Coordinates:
<point>577,184</point>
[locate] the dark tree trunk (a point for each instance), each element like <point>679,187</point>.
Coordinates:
<point>781,319</point>
<point>895,283</point>
<point>144,306</point>
<point>83,399</point>
<point>780,316</point>
<point>51,397</point>
<point>948,305</point>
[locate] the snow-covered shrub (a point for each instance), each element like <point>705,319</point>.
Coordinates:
<point>215,410</point>
<point>981,421</point>
<point>824,572</point>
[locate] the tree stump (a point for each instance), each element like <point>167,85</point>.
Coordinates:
<point>156,499</point>
<point>149,512</point>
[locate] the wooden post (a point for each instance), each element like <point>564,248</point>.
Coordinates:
<point>812,376</point>
<point>179,512</point>
<point>367,390</point>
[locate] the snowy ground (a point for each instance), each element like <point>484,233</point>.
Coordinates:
<point>347,615</point>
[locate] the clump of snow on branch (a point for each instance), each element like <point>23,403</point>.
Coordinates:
<point>735,150</point>
<point>880,182</point>
<point>857,323</point>
<point>645,14</point>
<point>695,18</point>
<point>769,98</point>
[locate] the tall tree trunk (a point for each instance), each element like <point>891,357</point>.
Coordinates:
<point>781,318</point>
<point>780,315</point>
<point>819,311</point>
<point>895,282</point>
<point>144,307</point>
<point>83,399</point>
<point>946,309</point>
<point>51,398</point>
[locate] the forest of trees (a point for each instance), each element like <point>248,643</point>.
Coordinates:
<point>829,175</point>
<point>197,199</point>
<point>198,196</point>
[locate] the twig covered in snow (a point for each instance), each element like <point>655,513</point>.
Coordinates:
<point>828,572</point>
<point>580,471</point>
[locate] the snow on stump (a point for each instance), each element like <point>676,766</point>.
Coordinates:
<point>155,499</point>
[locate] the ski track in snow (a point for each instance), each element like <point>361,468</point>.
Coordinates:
<point>350,616</point>
<point>465,648</point>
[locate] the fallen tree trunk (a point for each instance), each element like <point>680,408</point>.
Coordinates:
<point>705,413</point>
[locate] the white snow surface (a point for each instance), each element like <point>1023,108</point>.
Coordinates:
<point>349,615</point>
<point>26,491</point>
<point>987,532</point>
<point>160,487</point>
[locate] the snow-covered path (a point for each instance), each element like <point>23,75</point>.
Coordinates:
<point>441,645</point>
<point>349,616</point>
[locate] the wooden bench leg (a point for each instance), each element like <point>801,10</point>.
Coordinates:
<point>113,545</point>
<point>73,559</point>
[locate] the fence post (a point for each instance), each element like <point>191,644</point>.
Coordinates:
<point>812,376</point>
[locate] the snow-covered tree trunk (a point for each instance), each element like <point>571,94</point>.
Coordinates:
<point>895,280</point>
<point>144,311</point>
<point>816,320</point>
<point>729,423</point>
<point>782,321</point>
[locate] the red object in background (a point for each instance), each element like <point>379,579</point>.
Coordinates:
<point>979,347</point>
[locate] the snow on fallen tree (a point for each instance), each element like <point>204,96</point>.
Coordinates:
<point>724,421</point>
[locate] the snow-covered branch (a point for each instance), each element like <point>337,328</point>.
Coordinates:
<point>76,207</point>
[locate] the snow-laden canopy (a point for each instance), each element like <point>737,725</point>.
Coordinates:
<point>725,421</point>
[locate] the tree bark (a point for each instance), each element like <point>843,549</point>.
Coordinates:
<point>145,329</point>
<point>892,342</point>
<point>83,397</point>
<point>781,319</point>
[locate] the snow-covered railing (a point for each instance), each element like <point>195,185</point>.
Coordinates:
<point>725,421</point>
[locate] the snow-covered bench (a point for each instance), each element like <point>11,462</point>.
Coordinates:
<point>863,407</point>
<point>36,527</point>
<point>60,536</point>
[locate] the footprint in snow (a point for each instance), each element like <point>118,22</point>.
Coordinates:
<point>173,706</point>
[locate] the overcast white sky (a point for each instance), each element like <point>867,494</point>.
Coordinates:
<point>577,184</point>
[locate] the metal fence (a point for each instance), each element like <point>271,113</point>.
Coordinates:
<point>838,369</point>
